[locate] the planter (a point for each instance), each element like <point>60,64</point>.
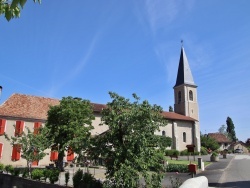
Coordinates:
<point>214,158</point>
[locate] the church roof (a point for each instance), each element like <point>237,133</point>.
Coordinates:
<point>34,107</point>
<point>184,75</point>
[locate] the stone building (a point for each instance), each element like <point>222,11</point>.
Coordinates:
<point>20,111</point>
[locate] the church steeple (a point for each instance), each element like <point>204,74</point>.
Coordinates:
<point>185,90</point>
<point>184,75</point>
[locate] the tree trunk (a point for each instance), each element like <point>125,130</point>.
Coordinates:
<point>59,163</point>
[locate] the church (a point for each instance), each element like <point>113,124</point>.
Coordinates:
<point>30,111</point>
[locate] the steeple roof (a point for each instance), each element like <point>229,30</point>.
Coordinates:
<point>184,75</point>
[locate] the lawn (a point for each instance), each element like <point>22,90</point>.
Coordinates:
<point>185,162</point>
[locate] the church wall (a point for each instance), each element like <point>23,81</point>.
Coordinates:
<point>184,127</point>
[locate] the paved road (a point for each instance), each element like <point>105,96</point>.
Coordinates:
<point>237,174</point>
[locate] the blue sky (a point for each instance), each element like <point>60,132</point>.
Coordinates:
<point>88,48</point>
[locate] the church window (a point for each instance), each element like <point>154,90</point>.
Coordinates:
<point>179,97</point>
<point>191,96</point>
<point>184,137</point>
<point>163,133</point>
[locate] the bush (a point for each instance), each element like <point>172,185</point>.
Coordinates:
<point>66,178</point>
<point>37,174</point>
<point>77,178</point>
<point>25,172</point>
<point>184,152</point>
<point>177,168</point>
<point>1,167</point>
<point>172,152</point>
<point>16,171</point>
<point>54,176</point>
<point>203,151</point>
<point>46,174</point>
<point>9,168</point>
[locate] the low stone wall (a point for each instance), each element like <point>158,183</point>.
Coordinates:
<point>9,181</point>
<point>198,182</point>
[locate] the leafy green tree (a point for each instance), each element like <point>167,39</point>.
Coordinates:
<point>32,145</point>
<point>130,148</point>
<point>12,8</point>
<point>69,125</point>
<point>209,142</point>
<point>171,109</point>
<point>223,130</point>
<point>230,129</point>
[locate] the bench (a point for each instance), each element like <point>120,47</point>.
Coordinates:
<point>173,156</point>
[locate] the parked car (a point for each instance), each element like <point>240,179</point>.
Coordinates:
<point>238,151</point>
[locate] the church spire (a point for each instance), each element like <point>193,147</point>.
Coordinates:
<point>184,75</point>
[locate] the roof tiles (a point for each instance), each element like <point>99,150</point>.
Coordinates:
<point>34,107</point>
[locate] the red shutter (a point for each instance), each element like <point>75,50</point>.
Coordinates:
<point>37,125</point>
<point>70,154</point>
<point>53,155</point>
<point>19,128</point>
<point>1,150</point>
<point>2,126</point>
<point>35,163</point>
<point>16,152</point>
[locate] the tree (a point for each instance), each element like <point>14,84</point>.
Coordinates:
<point>130,148</point>
<point>68,126</point>
<point>223,130</point>
<point>230,129</point>
<point>170,109</point>
<point>209,142</point>
<point>31,145</point>
<point>12,8</point>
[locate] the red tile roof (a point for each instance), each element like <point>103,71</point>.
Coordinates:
<point>33,107</point>
<point>27,106</point>
<point>220,138</point>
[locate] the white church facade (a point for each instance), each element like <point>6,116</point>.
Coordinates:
<point>31,111</point>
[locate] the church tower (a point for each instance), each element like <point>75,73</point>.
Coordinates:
<point>185,90</point>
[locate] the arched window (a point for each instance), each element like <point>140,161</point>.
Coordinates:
<point>163,133</point>
<point>191,98</point>
<point>184,137</point>
<point>179,97</point>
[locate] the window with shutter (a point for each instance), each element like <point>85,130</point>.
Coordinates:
<point>37,125</point>
<point>2,126</point>
<point>70,154</point>
<point>35,163</point>
<point>1,150</point>
<point>19,128</point>
<point>54,153</point>
<point>16,152</point>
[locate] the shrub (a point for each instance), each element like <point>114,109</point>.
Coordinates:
<point>25,172</point>
<point>16,171</point>
<point>214,154</point>
<point>87,178</point>
<point>46,174</point>
<point>66,178</point>
<point>1,167</point>
<point>203,151</point>
<point>172,152</point>
<point>37,174</point>
<point>177,168</point>
<point>184,152</point>
<point>9,168</point>
<point>77,178</point>
<point>54,176</point>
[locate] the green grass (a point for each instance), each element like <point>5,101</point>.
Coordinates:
<point>185,162</point>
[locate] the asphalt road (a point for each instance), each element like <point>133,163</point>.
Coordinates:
<point>237,173</point>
